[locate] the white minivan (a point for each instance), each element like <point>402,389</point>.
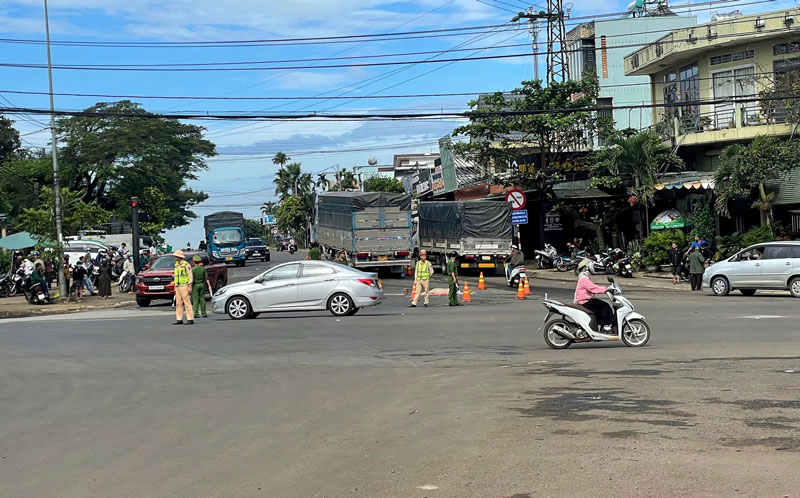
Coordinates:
<point>771,265</point>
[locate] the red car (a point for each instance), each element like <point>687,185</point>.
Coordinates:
<point>154,281</point>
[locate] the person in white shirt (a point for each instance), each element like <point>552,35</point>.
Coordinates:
<point>27,266</point>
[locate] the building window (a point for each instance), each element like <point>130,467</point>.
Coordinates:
<point>607,113</point>
<point>635,61</point>
<point>734,57</point>
<point>786,48</point>
<point>737,83</point>
<point>690,90</point>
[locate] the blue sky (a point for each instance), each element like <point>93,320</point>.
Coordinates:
<point>242,165</point>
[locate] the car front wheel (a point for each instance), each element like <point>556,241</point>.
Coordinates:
<point>340,305</point>
<point>720,286</point>
<point>238,308</point>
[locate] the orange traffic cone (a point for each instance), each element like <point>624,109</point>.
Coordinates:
<point>527,287</point>
<point>380,284</point>
<point>481,283</point>
<point>521,291</point>
<point>465,297</point>
<point>413,291</point>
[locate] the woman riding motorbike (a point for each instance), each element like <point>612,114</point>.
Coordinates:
<point>585,291</point>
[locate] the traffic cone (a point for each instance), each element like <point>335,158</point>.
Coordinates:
<point>481,283</point>
<point>409,272</point>
<point>465,297</point>
<point>413,291</point>
<point>527,287</point>
<point>380,284</point>
<point>521,291</point>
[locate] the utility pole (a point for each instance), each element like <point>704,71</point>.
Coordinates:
<point>533,28</point>
<point>62,284</point>
<point>557,62</point>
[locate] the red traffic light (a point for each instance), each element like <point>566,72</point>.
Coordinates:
<point>134,204</point>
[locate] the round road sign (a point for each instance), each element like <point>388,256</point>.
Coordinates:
<point>516,198</point>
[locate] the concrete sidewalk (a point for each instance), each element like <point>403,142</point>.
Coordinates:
<point>640,279</point>
<point>18,307</point>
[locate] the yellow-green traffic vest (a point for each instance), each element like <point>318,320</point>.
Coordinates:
<point>423,270</point>
<point>181,273</point>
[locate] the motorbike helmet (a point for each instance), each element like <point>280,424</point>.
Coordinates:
<point>583,264</point>
<point>514,246</point>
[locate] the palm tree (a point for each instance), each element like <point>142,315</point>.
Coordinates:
<point>268,208</point>
<point>322,182</point>
<point>281,159</point>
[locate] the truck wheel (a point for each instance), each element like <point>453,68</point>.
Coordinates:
<point>142,302</point>
<point>218,285</point>
<point>443,264</point>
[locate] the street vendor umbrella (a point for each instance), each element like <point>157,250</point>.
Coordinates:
<point>670,218</point>
<point>21,240</point>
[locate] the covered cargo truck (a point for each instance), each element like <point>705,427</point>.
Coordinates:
<point>225,236</point>
<point>480,232</point>
<point>373,228</point>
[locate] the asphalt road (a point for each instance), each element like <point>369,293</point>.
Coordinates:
<point>437,402</point>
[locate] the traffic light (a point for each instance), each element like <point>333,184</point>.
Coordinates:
<point>134,203</point>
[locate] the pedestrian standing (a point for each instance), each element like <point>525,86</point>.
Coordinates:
<point>49,272</point>
<point>314,253</point>
<point>79,276</point>
<point>696,268</point>
<point>182,279</point>
<point>200,279</point>
<point>67,276</point>
<point>104,279</point>
<point>130,272</point>
<point>452,279</point>
<point>676,261</point>
<point>422,278</point>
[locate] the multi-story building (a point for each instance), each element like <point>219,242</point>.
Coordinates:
<point>599,47</point>
<point>710,84</point>
<point>706,81</point>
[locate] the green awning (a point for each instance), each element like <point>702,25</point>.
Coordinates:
<point>21,240</point>
<point>670,218</point>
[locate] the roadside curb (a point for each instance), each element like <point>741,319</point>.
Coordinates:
<point>44,311</point>
<point>639,280</point>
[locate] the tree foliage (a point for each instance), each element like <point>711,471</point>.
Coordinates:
<point>291,214</point>
<point>291,181</point>
<point>253,228</point>
<point>383,184</point>
<point>344,180</point>
<point>76,214</point>
<point>123,151</point>
<point>9,139</point>
<point>549,121</point>
<point>268,207</point>
<point>636,160</point>
<point>745,169</point>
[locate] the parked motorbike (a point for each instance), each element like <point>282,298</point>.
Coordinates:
<point>598,263</point>
<point>6,285</point>
<point>574,323</point>
<point>623,267</point>
<point>12,285</point>
<point>35,293</point>
<point>515,275</point>
<point>545,258</point>
<point>125,283</point>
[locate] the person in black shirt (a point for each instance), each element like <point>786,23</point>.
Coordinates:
<point>675,260</point>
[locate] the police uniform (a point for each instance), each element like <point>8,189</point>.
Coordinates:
<point>452,269</point>
<point>422,277</point>
<point>182,280</point>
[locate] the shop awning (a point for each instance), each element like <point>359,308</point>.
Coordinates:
<point>21,240</point>
<point>671,218</point>
<point>690,183</point>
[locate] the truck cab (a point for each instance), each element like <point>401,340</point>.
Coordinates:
<point>154,281</point>
<point>227,244</point>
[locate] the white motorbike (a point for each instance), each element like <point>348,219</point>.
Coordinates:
<point>515,275</point>
<point>125,283</point>
<point>575,323</point>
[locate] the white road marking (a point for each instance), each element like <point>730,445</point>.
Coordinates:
<point>428,487</point>
<point>761,317</point>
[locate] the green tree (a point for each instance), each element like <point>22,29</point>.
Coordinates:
<point>76,214</point>
<point>745,169</point>
<point>9,139</point>
<point>281,159</point>
<point>268,208</point>
<point>119,149</point>
<point>291,181</point>
<point>344,180</point>
<point>549,121</point>
<point>291,214</point>
<point>253,228</point>
<point>20,177</point>
<point>636,160</point>
<point>383,184</point>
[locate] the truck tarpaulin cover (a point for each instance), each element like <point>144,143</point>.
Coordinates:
<point>223,219</point>
<point>363,200</point>
<point>462,219</point>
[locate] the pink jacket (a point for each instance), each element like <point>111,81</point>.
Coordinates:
<point>586,289</point>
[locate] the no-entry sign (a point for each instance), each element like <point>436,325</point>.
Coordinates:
<point>516,198</point>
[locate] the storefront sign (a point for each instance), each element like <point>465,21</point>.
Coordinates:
<point>437,180</point>
<point>552,222</point>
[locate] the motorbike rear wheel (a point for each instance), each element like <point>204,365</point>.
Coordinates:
<point>635,333</point>
<point>562,265</point>
<point>552,338</point>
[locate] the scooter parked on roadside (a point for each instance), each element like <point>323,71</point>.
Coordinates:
<point>545,258</point>
<point>568,323</point>
<point>35,292</point>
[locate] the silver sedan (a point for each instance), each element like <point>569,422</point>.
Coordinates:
<point>300,286</point>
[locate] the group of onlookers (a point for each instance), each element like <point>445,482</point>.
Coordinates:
<point>697,254</point>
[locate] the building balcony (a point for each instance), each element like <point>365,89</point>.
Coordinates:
<point>723,126</point>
